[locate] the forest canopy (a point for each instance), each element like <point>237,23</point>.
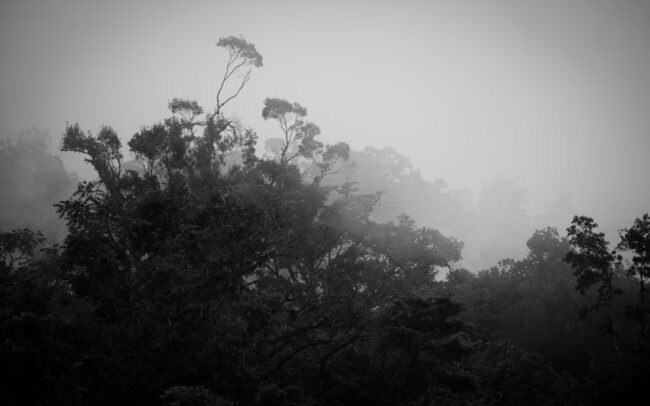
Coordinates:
<point>203,274</point>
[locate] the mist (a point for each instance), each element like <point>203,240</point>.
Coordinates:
<point>550,97</point>
<point>324,202</point>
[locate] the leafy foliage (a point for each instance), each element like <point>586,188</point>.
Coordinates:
<point>226,276</point>
<point>201,274</point>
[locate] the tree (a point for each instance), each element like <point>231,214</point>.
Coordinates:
<point>299,140</point>
<point>591,258</point>
<point>593,266</point>
<point>299,136</point>
<point>531,303</point>
<point>17,247</point>
<point>40,342</point>
<point>618,291</point>
<point>239,277</point>
<point>419,342</point>
<point>242,57</point>
<point>636,239</point>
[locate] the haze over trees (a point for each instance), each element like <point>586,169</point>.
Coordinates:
<point>206,273</point>
<point>32,180</point>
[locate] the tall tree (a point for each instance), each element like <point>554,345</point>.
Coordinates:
<point>636,240</point>
<point>242,57</point>
<point>234,276</point>
<point>299,141</point>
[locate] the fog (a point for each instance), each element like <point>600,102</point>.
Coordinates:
<point>545,100</point>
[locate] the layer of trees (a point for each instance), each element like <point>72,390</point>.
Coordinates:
<point>578,304</point>
<point>202,274</point>
<point>493,225</point>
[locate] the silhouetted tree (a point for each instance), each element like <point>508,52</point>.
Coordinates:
<point>636,240</point>
<point>230,277</point>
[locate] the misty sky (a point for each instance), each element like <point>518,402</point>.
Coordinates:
<point>553,94</point>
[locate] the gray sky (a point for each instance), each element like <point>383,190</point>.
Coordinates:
<point>554,94</point>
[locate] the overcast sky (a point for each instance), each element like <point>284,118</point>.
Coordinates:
<point>553,94</point>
